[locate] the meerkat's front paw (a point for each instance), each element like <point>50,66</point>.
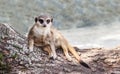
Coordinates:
<point>53,56</point>
<point>30,49</point>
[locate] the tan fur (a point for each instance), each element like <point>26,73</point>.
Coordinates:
<point>51,39</point>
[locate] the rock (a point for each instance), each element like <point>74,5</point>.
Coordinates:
<point>15,59</point>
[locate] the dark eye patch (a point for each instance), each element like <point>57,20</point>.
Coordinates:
<point>41,21</point>
<point>48,21</point>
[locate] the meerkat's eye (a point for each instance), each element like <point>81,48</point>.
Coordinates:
<point>48,21</point>
<point>41,21</point>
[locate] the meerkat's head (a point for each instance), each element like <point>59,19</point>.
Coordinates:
<point>44,21</point>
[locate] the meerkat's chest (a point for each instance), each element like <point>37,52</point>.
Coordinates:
<point>38,32</point>
<point>41,36</point>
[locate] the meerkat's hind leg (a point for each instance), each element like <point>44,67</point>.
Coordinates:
<point>65,50</point>
<point>49,51</point>
<point>53,51</point>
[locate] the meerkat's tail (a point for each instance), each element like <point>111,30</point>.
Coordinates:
<point>84,64</point>
<point>76,55</point>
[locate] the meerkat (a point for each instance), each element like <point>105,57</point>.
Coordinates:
<point>45,35</point>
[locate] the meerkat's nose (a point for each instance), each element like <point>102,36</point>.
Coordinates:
<point>44,25</point>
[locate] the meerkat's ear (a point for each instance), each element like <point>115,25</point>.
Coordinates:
<point>36,19</point>
<point>51,19</point>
